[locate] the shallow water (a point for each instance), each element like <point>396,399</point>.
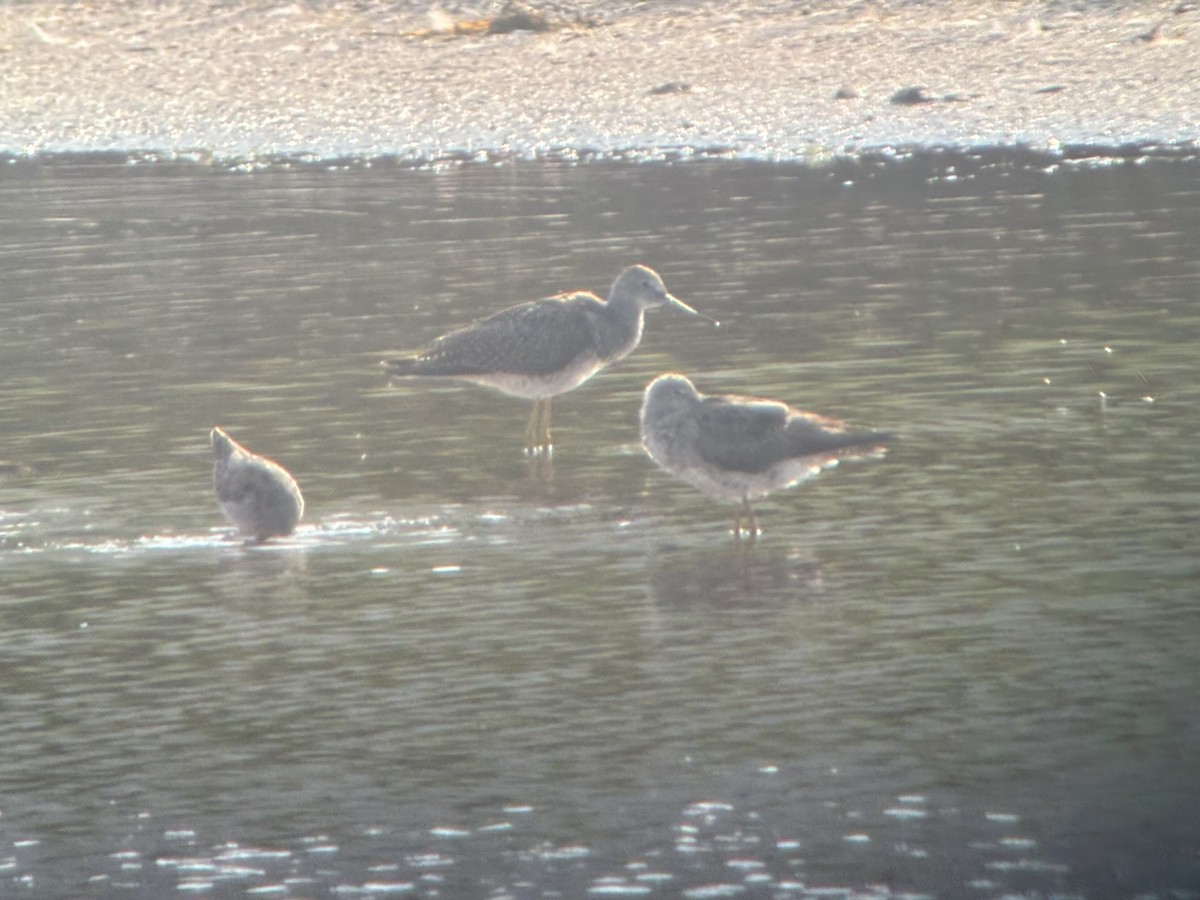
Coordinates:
<point>968,669</point>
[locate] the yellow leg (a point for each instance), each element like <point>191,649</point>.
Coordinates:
<point>531,427</point>
<point>752,529</point>
<point>537,432</point>
<point>547,444</point>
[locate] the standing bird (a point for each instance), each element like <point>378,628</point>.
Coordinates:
<point>737,448</point>
<point>256,494</point>
<point>543,348</point>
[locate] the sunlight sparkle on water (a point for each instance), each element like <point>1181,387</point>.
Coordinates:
<point>447,831</point>
<point>617,887</point>
<point>903,813</point>
<point>711,891</point>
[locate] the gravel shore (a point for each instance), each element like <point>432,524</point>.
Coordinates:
<point>765,80</point>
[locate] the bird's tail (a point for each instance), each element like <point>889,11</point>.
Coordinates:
<point>873,437</point>
<point>399,367</point>
<point>868,443</point>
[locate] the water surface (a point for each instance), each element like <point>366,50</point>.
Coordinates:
<point>969,669</point>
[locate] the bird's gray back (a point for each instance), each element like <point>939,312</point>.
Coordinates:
<point>537,338</point>
<point>259,495</point>
<point>740,434</point>
<point>746,435</point>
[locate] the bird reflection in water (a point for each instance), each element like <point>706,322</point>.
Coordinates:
<point>742,577</point>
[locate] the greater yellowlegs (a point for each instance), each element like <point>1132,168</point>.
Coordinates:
<point>540,349</point>
<point>737,448</point>
<point>256,494</point>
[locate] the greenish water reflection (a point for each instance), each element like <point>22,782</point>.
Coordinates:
<point>967,669</point>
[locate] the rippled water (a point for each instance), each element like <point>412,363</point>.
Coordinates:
<point>967,670</point>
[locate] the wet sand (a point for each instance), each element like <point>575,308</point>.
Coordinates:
<point>771,80</point>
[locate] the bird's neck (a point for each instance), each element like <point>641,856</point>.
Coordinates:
<point>623,328</point>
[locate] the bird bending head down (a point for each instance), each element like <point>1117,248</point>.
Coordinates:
<point>259,496</point>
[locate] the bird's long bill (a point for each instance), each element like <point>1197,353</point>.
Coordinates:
<point>678,304</point>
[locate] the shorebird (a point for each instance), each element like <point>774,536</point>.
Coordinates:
<point>256,494</point>
<point>543,348</point>
<point>736,448</point>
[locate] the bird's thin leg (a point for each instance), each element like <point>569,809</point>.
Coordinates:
<point>537,432</point>
<point>541,471</point>
<point>547,443</point>
<point>530,426</point>
<point>752,529</point>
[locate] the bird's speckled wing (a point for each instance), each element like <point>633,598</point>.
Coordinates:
<point>258,496</point>
<point>246,480</point>
<point>537,338</point>
<point>741,434</point>
<point>745,435</point>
